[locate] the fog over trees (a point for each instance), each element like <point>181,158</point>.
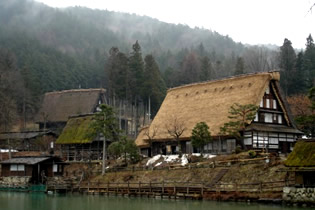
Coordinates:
<point>134,57</point>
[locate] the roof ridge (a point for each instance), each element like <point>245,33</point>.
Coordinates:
<point>76,90</point>
<point>223,79</point>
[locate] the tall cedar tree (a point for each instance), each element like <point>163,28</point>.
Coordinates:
<point>136,68</point>
<point>287,65</point>
<point>239,66</point>
<point>153,86</point>
<point>240,116</point>
<point>206,69</point>
<point>200,136</point>
<point>117,72</point>
<point>309,61</point>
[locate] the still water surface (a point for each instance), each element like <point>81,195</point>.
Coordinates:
<point>36,201</point>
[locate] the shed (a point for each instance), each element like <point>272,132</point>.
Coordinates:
<point>38,168</point>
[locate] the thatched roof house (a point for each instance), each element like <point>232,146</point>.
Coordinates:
<point>303,155</point>
<point>77,140</point>
<point>77,131</point>
<point>210,102</point>
<point>58,106</point>
<point>301,162</point>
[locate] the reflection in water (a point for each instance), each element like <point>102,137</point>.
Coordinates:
<point>40,201</point>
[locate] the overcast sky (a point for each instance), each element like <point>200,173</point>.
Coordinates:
<point>246,21</point>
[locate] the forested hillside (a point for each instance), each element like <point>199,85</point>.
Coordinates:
<point>135,57</point>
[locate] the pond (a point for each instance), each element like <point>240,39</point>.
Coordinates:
<point>40,201</point>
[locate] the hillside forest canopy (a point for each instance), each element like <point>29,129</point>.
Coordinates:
<point>136,58</point>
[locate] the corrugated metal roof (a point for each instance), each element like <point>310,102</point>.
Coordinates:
<point>25,160</point>
<point>22,135</point>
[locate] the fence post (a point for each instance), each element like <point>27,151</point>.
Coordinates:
<point>202,189</point>
<point>98,186</point>
<point>261,186</point>
<point>128,188</point>
<point>163,186</point>
<point>139,186</point>
<point>107,187</point>
<point>88,185</point>
<point>150,186</point>
<point>175,190</point>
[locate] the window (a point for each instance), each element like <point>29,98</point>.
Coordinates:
<point>55,168</point>
<point>268,90</point>
<point>248,141</point>
<point>15,167</point>
<point>268,117</point>
<point>267,103</point>
<point>274,104</point>
<point>256,117</point>
<point>21,168</point>
<point>262,103</point>
<point>275,117</point>
<point>273,140</point>
<point>279,119</point>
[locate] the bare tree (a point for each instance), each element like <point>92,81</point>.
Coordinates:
<point>175,129</point>
<point>257,60</point>
<point>151,134</point>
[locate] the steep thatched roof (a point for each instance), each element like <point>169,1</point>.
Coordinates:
<point>77,131</point>
<point>58,106</point>
<point>140,141</point>
<point>208,102</point>
<point>303,155</point>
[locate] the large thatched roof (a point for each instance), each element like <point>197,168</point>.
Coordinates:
<point>208,102</point>
<point>303,154</point>
<point>77,131</point>
<point>58,106</point>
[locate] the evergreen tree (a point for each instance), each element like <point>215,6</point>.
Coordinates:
<point>200,136</point>
<point>299,83</point>
<point>153,86</point>
<point>309,61</point>
<point>117,72</point>
<point>206,69</point>
<point>239,67</point>
<point>136,68</point>
<point>287,63</point>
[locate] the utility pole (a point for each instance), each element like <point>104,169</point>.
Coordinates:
<point>104,148</point>
<point>149,110</point>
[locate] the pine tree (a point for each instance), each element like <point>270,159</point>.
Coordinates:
<point>287,63</point>
<point>309,61</point>
<point>200,136</point>
<point>136,68</point>
<point>153,86</point>
<point>206,69</point>
<point>239,67</point>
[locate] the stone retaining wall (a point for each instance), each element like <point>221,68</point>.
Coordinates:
<point>299,195</point>
<point>15,181</point>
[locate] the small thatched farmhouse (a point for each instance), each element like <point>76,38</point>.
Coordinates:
<point>75,141</point>
<point>210,102</point>
<point>58,106</point>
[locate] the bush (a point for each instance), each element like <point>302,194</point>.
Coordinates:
<point>252,154</point>
<point>238,149</point>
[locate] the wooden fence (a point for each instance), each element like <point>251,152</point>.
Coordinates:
<point>168,189</point>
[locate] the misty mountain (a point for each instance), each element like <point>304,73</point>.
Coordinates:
<point>68,48</point>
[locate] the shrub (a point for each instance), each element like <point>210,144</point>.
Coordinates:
<point>252,154</point>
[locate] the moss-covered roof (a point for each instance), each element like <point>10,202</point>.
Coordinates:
<point>303,155</point>
<point>77,131</point>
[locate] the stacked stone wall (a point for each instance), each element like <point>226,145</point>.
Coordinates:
<point>15,181</point>
<point>299,195</point>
